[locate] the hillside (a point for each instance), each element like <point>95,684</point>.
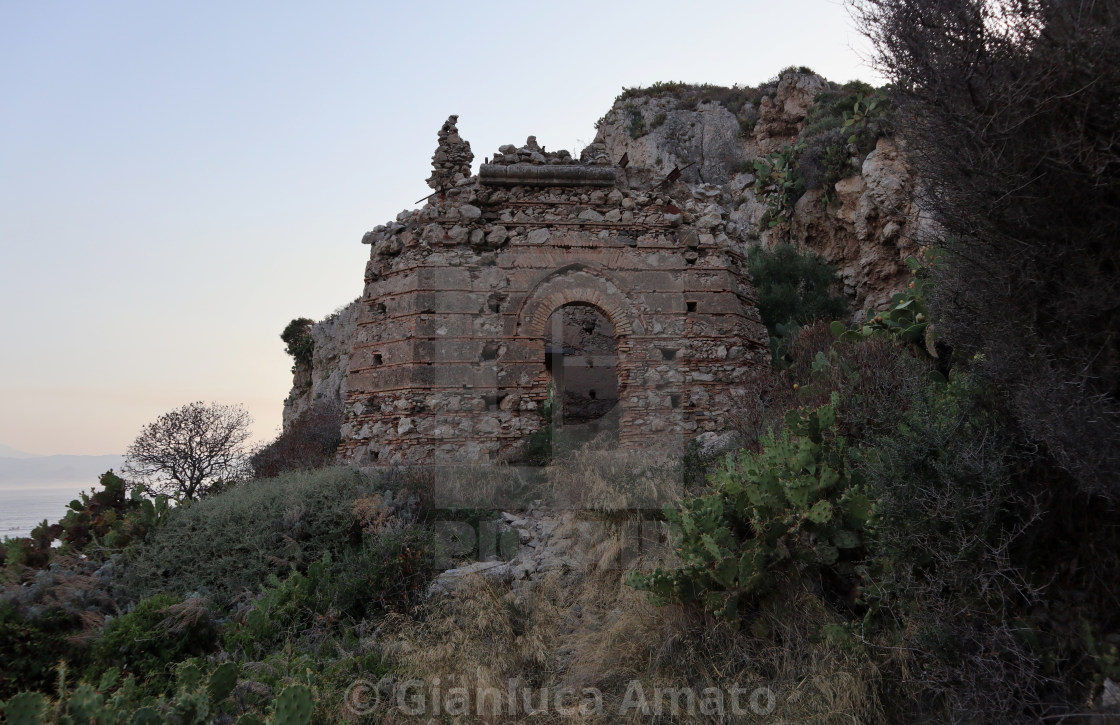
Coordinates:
<point>914,519</point>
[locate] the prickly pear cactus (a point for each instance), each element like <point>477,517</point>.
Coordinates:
<point>189,677</point>
<point>293,707</point>
<point>222,681</point>
<point>146,716</point>
<point>191,708</point>
<point>84,704</point>
<point>26,708</point>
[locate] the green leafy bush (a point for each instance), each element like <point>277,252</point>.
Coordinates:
<point>197,699</point>
<point>906,319</point>
<point>96,525</point>
<point>637,123</point>
<point>389,572</point>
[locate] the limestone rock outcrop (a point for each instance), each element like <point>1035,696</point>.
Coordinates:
<point>324,381</point>
<point>866,227</point>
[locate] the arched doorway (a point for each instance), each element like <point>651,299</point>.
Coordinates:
<point>581,354</point>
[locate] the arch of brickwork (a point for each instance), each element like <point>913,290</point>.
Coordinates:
<point>449,361</point>
<point>577,283</point>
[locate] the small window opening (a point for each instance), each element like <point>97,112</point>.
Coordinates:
<point>691,306</point>
<point>377,360</point>
<point>494,302</point>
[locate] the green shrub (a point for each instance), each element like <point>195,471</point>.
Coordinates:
<point>389,572</point>
<point>841,123</point>
<point>637,123</point>
<point>537,449</point>
<point>161,631</point>
<point>793,289</point>
<point>907,318</point>
<point>825,161</point>
<point>96,525</point>
<point>298,341</point>
<point>197,699</point>
<point>229,543</point>
<point>778,184</point>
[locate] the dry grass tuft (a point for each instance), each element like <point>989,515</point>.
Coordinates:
<point>599,477</point>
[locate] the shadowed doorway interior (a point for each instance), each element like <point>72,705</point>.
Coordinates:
<point>581,355</point>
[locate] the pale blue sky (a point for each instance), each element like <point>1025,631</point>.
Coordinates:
<point>180,179</point>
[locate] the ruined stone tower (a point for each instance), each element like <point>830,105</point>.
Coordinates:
<point>545,291</point>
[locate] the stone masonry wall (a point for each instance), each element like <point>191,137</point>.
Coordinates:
<point>448,360</point>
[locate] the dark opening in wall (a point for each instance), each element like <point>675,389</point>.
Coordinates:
<point>668,353</point>
<point>494,302</point>
<point>675,401</point>
<point>691,306</point>
<point>377,359</point>
<point>582,357</point>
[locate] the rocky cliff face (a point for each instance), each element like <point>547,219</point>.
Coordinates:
<point>865,224</point>
<point>324,381</point>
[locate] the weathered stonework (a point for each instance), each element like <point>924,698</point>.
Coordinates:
<point>451,359</point>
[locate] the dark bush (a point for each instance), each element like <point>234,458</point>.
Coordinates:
<point>825,160</point>
<point>32,647</point>
<point>1012,110</point>
<point>298,341</point>
<point>310,441</point>
<point>943,580</point>
<point>793,289</point>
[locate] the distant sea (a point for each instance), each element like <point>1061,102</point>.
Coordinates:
<point>24,508</point>
<point>33,488</point>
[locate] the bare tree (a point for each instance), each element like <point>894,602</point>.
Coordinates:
<point>186,452</point>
